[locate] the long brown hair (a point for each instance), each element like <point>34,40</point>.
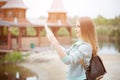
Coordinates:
<point>88,33</point>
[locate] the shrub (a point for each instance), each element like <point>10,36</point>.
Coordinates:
<point>13,57</point>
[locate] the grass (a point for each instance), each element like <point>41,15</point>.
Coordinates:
<point>13,57</point>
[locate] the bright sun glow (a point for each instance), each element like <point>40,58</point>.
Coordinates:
<point>92,8</point>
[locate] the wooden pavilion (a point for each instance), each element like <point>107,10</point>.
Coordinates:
<point>57,17</point>
<point>13,14</point>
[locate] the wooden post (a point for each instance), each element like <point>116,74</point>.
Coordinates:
<point>70,33</point>
<point>2,31</point>
<point>9,38</point>
<point>39,36</point>
<point>19,38</point>
<point>37,31</point>
<point>55,30</point>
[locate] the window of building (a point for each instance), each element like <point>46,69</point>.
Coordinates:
<point>9,14</point>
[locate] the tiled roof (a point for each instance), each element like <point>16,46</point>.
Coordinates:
<point>12,23</point>
<point>59,23</point>
<point>57,6</point>
<point>37,22</point>
<point>33,23</point>
<point>15,4</point>
<point>4,23</point>
<point>24,23</point>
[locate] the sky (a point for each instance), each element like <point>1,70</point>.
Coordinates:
<point>91,8</point>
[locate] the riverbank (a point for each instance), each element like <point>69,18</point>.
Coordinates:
<point>48,66</point>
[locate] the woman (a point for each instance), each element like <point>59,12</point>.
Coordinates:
<point>83,49</point>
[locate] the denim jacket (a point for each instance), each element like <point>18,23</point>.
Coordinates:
<point>79,50</point>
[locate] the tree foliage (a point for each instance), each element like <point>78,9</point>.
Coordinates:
<point>100,20</point>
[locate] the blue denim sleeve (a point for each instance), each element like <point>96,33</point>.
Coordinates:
<point>65,59</point>
<point>76,55</point>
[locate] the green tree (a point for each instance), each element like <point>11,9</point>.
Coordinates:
<point>100,20</point>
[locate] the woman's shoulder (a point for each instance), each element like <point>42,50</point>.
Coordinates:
<point>81,44</point>
<point>84,44</point>
<point>78,42</point>
<point>85,47</point>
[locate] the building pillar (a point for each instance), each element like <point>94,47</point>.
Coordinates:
<point>55,30</point>
<point>0,30</point>
<point>39,36</point>
<point>19,38</point>
<point>9,38</point>
<point>70,33</point>
<point>37,29</point>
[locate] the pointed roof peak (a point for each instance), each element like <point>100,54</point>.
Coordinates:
<point>57,6</point>
<point>15,4</point>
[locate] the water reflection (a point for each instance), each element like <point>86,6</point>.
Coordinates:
<point>14,72</point>
<point>109,47</point>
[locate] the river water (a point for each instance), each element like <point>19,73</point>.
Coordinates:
<point>14,72</point>
<point>108,47</point>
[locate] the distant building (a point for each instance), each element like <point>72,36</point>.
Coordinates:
<point>14,11</point>
<point>2,2</point>
<point>13,14</point>
<point>57,17</point>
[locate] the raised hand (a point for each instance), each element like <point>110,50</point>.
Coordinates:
<point>50,35</point>
<point>54,42</point>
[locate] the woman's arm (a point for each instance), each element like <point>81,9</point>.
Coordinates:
<point>67,59</point>
<point>55,43</point>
